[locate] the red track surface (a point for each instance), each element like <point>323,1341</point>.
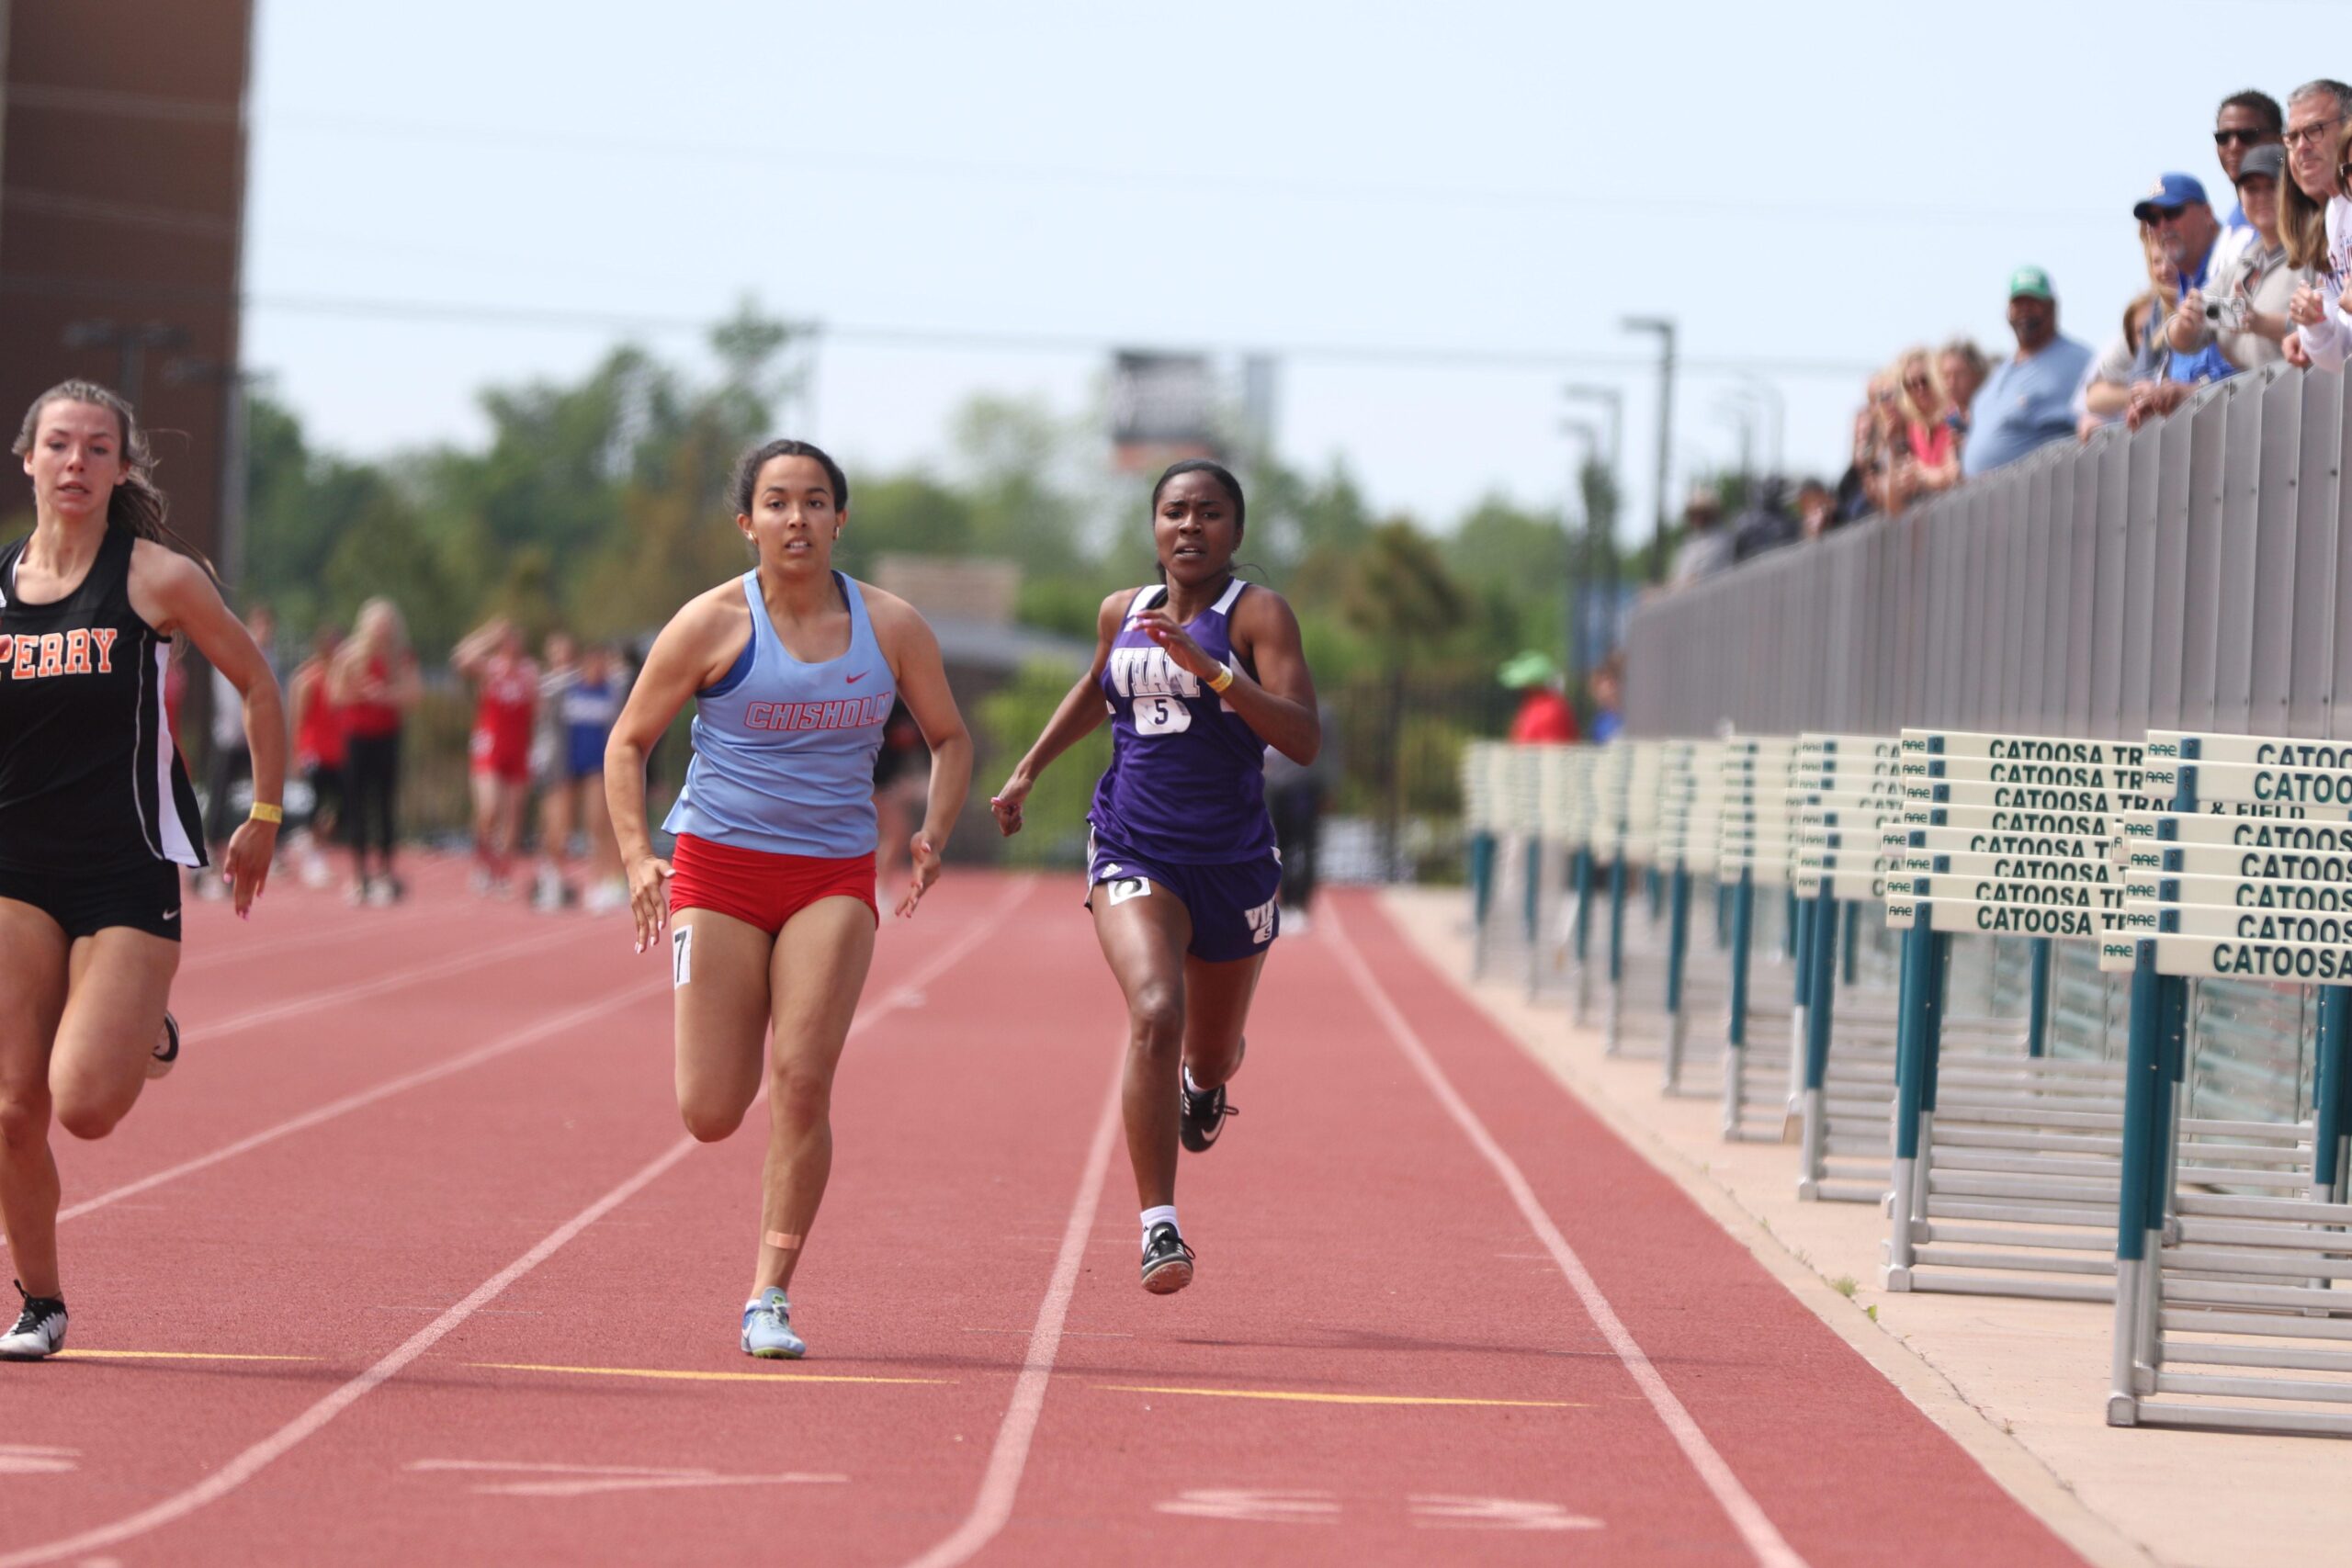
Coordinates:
<point>461,1209</point>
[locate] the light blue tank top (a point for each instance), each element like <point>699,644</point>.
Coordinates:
<point>783,750</point>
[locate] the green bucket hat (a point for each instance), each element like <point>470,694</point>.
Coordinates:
<point>1533,667</point>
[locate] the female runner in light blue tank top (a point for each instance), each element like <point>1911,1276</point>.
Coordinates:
<point>792,669</point>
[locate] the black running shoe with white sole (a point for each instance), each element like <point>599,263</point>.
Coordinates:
<point>39,1332</point>
<point>168,1049</point>
<point>1200,1117</point>
<point>1167,1261</point>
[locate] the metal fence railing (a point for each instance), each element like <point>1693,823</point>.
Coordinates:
<point>2186,575</point>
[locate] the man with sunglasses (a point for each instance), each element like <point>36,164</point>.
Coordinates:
<point>2184,224</point>
<point>2245,121</point>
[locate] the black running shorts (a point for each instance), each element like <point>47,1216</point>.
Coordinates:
<point>145,898</point>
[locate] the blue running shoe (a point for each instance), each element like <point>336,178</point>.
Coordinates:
<point>767,1328</point>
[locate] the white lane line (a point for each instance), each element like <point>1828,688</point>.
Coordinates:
<point>251,1462</point>
<point>993,1507</point>
<point>638,990</point>
<point>206,1030</point>
<point>255,945</point>
<point>1747,1517</point>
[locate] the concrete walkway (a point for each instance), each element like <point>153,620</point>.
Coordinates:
<point>2021,1384</point>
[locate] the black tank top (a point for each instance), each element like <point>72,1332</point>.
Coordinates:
<point>90,780</point>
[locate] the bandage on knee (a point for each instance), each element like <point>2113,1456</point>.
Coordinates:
<point>783,1243</point>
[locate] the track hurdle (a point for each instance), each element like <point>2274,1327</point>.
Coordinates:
<point>1849,789</point>
<point>2000,1185</point>
<point>1755,850</point>
<point>2234,1268</point>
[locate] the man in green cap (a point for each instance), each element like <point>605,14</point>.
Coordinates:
<point>1543,714</point>
<point>2029,400</point>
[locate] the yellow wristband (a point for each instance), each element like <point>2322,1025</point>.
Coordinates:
<point>1222,679</point>
<point>264,813</point>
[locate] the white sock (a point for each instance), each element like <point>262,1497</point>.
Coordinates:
<point>1163,1215</point>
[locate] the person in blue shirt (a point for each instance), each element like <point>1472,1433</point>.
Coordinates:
<point>2027,402</point>
<point>2186,229</point>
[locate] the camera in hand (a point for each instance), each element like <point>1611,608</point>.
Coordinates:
<point>2225,313</point>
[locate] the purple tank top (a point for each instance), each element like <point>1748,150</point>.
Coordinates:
<point>1187,779</point>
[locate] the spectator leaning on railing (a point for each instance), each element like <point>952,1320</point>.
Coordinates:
<point>2186,227</point>
<point>2311,220</point>
<point>2027,401</point>
<point>1706,546</point>
<point>2137,356</point>
<point>2242,311</point>
<point>1960,366</point>
<point>2245,121</point>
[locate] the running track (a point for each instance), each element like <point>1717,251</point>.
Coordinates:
<point>409,1262</point>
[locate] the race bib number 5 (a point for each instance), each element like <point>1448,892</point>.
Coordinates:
<point>1161,716</point>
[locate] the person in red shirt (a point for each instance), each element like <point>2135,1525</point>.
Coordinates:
<point>318,748</point>
<point>506,687</point>
<point>373,681</point>
<point>1545,715</point>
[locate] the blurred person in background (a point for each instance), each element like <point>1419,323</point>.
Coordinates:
<point>558,673</point>
<point>2138,353</point>
<point>585,709</point>
<point>1609,698</point>
<point>2245,121</point>
<point>2185,229</point>
<point>506,697</point>
<point>1706,546</point>
<point>902,786</point>
<point>2317,115</point>
<point>1816,510</point>
<point>1961,368</point>
<point>1928,458</point>
<point>232,760</point>
<point>1545,716</point>
<point>1766,524</point>
<point>2027,401</point>
<point>1854,502</point>
<point>1297,794</point>
<point>374,680</point>
<point>318,752</point>
<point>2244,310</point>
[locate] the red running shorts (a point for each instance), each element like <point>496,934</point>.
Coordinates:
<point>763,889</point>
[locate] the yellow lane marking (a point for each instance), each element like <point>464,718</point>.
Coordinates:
<point>1305,1398</point>
<point>170,1355</point>
<point>696,1377</point>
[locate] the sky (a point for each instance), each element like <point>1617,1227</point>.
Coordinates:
<point>1435,217</point>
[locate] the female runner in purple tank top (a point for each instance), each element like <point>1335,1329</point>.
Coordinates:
<point>791,669</point>
<point>1198,674</point>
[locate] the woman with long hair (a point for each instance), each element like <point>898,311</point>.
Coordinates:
<point>770,896</point>
<point>1199,673</point>
<point>374,680</point>
<point>97,815</point>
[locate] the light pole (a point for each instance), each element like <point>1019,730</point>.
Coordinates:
<point>1768,397</point>
<point>1578,544</point>
<point>131,342</point>
<point>1613,400</point>
<point>1741,416</point>
<point>1665,330</point>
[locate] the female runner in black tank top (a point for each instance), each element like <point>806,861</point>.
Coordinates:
<point>95,813</point>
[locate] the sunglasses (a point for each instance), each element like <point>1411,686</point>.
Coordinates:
<point>1918,383</point>
<point>2303,133</point>
<point>2238,138</point>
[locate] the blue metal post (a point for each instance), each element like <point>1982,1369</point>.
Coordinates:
<point>2037,1008</point>
<point>2328,1090</point>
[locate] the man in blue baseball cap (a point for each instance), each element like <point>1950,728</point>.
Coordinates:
<point>2027,402</point>
<point>2186,227</point>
